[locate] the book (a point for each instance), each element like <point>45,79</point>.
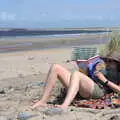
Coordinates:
<point>83,63</point>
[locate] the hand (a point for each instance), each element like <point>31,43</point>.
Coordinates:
<point>100,76</point>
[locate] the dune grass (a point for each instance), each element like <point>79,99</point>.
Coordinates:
<point>112,45</point>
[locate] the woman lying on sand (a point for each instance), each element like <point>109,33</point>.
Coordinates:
<point>77,82</point>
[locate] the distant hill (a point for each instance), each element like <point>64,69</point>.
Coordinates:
<point>60,29</point>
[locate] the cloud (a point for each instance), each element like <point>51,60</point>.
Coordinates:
<point>7,16</point>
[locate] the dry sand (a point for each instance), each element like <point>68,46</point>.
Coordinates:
<point>22,80</point>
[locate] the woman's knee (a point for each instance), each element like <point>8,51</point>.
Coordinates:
<point>55,67</point>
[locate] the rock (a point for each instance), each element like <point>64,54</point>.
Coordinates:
<point>20,75</point>
<point>115,117</point>
<point>31,58</point>
<point>2,91</point>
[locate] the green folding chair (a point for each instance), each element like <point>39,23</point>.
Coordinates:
<point>83,52</point>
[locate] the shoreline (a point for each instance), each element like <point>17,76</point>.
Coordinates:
<point>26,44</point>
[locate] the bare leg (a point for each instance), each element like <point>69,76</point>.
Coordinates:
<point>78,83</point>
<point>56,71</point>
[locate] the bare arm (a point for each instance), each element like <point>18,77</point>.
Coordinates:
<point>113,86</point>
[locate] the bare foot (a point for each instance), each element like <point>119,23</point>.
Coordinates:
<point>61,106</point>
<point>38,104</point>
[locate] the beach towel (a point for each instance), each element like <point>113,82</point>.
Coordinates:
<point>109,100</point>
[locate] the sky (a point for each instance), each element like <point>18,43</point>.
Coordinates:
<point>59,13</point>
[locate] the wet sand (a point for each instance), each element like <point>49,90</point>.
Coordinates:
<point>26,44</point>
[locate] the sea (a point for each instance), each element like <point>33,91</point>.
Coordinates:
<point>23,33</point>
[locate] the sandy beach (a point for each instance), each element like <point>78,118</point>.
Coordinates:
<point>22,80</point>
